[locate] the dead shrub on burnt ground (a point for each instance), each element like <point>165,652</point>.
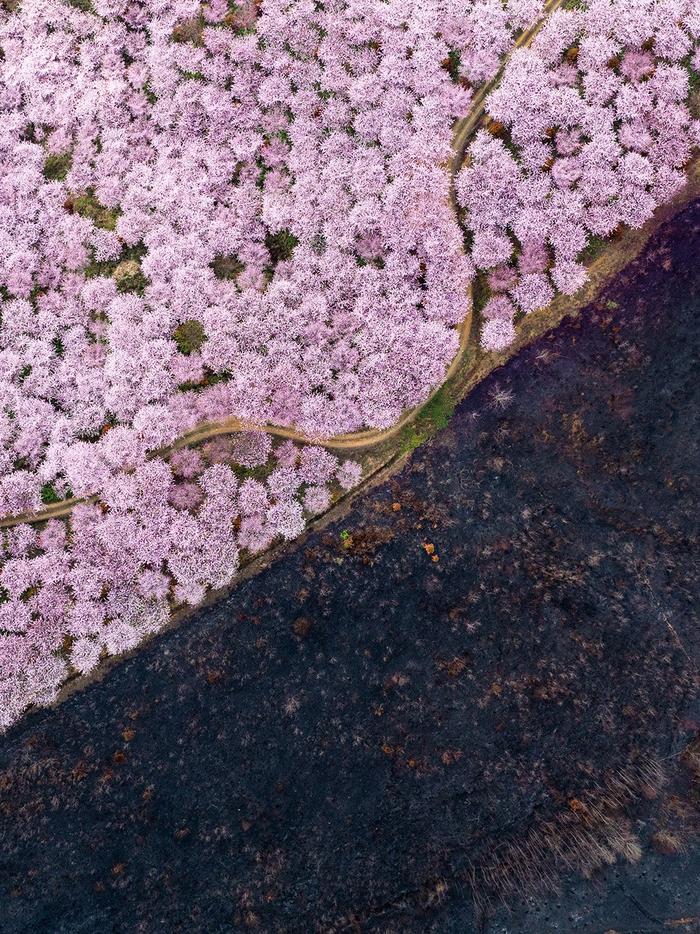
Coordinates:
<point>593,831</point>
<point>676,827</point>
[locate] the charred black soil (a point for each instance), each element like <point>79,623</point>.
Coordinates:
<point>481,681</point>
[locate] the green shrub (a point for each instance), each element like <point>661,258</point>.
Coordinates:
<point>57,166</point>
<point>87,205</point>
<point>281,245</point>
<point>49,494</point>
<point>189,336</point>
<point>129,277</point>
<point>227,267</point>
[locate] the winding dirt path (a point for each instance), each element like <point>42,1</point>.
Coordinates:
<point>357,440</point>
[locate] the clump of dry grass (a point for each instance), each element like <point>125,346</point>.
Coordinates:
<point>667,842</point>
<point>691,757</point>
<point>591,833</point>
<point>678,821</point>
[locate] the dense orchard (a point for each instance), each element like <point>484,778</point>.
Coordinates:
<point>590,129</point>
<point>244,210</point>
<point>219,209</point>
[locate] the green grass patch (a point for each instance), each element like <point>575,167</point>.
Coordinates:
<point>227,267</point>
<point>30,592</point>
<point>210,379</point>
<point>481,293</point>
<point>259,473</point>
<point>189,336</point>
<point>281,245</point>
<point>377,262</point>
<point>411,439</point>
<point>454,59</point>
<point>190,31</point>
<point>49,494</point>
<point>57,166</point>
<point>129,277</point>
<point>107,267</point>
<point>263,169</point>
<point>439,410</point>
<point>87,205</point>
<point>232,21</point>
<point>433,417</point>
<point>594,248</point>
<point>236,177</point>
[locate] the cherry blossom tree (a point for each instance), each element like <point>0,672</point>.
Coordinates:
<point>589,130</point>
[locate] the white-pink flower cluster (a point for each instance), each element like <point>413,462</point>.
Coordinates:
<point>590,130</point>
